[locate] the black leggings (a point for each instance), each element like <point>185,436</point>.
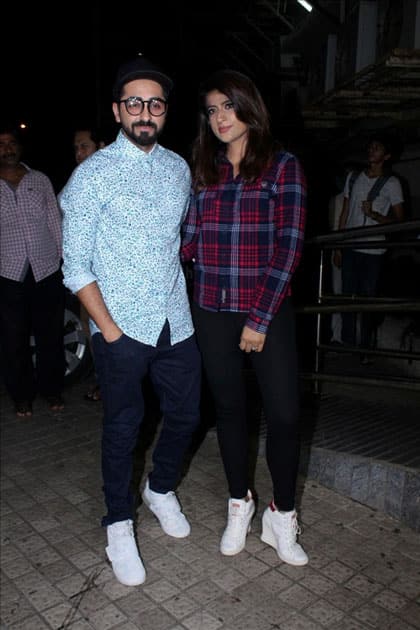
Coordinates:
<point>218,335</point>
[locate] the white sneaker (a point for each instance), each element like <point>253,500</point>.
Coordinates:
<point>168,511</point>
<point>280,530</point>
<point>123,553</point>
<point>240,513</point>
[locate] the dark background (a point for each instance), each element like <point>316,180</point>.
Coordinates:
<point>58,65</point>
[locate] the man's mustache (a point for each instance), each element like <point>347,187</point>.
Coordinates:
<point>145,123</point>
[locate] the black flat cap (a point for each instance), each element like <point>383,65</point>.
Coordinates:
<point>140,68</point>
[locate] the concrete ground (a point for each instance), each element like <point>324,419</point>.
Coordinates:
<point>364,569</point>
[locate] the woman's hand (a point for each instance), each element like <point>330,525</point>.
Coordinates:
<point>251,341</point>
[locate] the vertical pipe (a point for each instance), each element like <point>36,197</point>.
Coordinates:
<point>318,320</point>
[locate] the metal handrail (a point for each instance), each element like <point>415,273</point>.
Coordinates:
<point>327,303</point>
<point>400,227</point>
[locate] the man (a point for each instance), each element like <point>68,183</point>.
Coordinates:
<point>374,197</point>
<point>86,140</point>
<point>31,287</point>
<point>123,209</point>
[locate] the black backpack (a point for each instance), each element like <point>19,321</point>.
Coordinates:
<point>374,191</point>
<point>376,188</point>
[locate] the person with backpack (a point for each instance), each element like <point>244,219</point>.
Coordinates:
<point>371,197</point>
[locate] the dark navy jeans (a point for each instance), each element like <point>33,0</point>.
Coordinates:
<point>175,372</point>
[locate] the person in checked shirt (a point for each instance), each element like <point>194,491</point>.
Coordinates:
<point>244,233</point>
<point>31,283</point>
<point>123,209</point>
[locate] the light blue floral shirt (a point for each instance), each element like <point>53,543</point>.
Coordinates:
<point>122,213</point>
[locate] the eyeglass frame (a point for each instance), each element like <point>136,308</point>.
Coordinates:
<point>143,103</point>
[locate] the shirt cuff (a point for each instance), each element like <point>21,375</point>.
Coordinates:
<point>75,283</point>
<point>260,327</point>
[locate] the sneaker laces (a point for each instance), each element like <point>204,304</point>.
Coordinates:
<point>119,535</point>
<point>168,507</point>
<point>295,527</point>
<point>235,517</point>
<point>290,530</point>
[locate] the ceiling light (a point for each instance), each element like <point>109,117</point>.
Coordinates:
<point>306,5</point>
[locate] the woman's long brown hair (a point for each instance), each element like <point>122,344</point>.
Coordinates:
<point>249,108</point>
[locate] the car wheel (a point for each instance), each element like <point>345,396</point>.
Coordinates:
<point>76,347</point>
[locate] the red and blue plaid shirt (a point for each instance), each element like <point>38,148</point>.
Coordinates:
<point>246,240</point>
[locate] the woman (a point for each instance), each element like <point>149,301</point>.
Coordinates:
<point>244,232</point>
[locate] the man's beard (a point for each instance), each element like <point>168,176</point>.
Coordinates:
<point>143,139</point>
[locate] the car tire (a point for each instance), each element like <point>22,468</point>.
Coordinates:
<point>79,362</point>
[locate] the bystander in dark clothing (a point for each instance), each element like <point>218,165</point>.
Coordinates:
<point>31,287</point>
<point>374,197</point>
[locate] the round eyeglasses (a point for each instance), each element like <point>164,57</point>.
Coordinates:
<point>135,106</point>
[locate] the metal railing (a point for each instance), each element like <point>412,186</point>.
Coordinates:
<point>404,236</point>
